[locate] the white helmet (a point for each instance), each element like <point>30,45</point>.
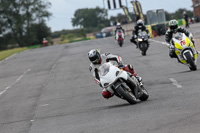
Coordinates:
<point>119,26</point>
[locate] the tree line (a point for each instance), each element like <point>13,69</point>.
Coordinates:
<point>23,22</point>
<point>94,19</point>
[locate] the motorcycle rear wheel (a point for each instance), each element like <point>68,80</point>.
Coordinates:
<point>120,43</point>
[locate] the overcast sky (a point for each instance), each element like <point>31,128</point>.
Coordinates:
<point>63,10</point>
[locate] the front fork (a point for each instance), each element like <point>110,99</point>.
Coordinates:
<point>136,86</point>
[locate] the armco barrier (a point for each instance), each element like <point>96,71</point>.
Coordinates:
<point>180,22</point>
<point>183,21</point>
<point>160,29</point>
<point>150,31</point>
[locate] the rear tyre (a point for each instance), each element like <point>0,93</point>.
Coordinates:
<point>190,61</point>
<point>128,96</point>
<point>145,94</point>
<point>120,43</point>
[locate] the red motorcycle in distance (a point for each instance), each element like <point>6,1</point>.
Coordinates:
<point>119,37</point>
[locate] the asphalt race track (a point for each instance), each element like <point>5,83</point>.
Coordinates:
<point>50,90</point>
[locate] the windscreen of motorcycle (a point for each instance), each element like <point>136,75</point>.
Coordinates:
<point>104,69</point>
<point>143,34</point>
<point>181,41</point>
<point>119,31</point>
<point>178,36</point>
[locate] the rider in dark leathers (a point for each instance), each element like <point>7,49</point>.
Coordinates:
<point>139,27</point>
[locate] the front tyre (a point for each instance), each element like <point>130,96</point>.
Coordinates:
<point>120,43</point>
<point>143,47</point>
<point>190,61</point>
<point>128,96</point>
<point>143,53</point>
<point>145,94</point>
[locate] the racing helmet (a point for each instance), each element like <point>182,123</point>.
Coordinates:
<point>119,26</point>
<point>140,23</point>
<point>173,25</point>
<point>94,56</point>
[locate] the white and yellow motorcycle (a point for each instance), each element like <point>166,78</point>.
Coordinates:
<point>185,50</point>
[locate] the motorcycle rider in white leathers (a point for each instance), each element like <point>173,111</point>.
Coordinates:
<point>98,59</point>
<point>119,27</point>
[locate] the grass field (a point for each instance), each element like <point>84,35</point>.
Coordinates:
<point>6,53</point>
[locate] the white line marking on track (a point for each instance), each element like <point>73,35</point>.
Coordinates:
<point>16,81</point>
<point>159,42</point>
<point>2,92</point>
<point>54,65</point>
<point>44,105</point>
<point>174,82</point>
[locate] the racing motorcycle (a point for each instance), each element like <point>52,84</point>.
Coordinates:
<point>185,50</point>
<point>120,37</point>
<point>122,83</point>
<point>142,42</point>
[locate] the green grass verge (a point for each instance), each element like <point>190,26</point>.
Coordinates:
<point>75,40</point>
<point>6,53</point>
<point>34,46</point>
<point>79,40</point>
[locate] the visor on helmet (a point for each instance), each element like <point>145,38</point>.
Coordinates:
<point>173,27</point>
<point>96,58</point>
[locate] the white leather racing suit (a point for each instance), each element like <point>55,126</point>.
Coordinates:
<point>94,69</point>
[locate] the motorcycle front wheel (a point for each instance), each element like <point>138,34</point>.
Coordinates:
<point>125,94</point>
<point>190,61</point>
<point>143,48</point>
<point>145,94</point>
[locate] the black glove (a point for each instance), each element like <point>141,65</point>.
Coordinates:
<point>107,60</point>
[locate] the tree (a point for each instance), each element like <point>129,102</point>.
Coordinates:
<point>92,17</point>
<point>178,14</point>
<point>18,16</point>
<point>119,17</point>
<point>39,32</point>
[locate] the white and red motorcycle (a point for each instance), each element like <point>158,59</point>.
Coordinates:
<point>123,84</point>
<point>120,37</point>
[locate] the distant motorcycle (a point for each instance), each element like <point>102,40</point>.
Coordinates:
<point>185,50</point>
<point>142,42</point>
<point>122,83</point>
<point>120,37</point>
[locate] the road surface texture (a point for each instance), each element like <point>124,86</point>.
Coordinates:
<point>50,90</point>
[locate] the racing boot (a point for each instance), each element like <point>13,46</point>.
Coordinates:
<point>172,53</point>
